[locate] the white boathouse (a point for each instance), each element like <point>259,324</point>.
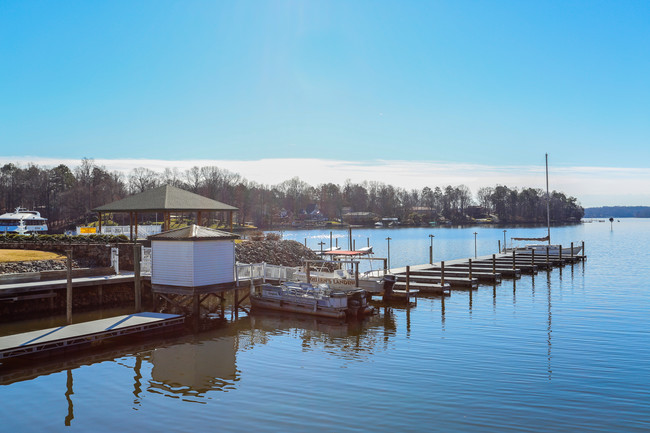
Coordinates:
<point>192,261</point>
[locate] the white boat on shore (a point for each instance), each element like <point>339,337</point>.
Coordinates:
<point>305,298</point>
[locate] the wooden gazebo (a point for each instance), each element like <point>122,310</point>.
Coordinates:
<point>165,199</point>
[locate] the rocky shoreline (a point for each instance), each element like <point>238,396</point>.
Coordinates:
<point>283,253</point>
<point>43,265</point>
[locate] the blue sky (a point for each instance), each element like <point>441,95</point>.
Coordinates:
<point>489,83</point>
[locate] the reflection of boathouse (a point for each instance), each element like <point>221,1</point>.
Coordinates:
<point>195,368</point>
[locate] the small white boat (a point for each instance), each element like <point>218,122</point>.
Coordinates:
<point>318,300</point>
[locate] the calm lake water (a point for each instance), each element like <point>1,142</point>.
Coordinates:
<point>567,350</point>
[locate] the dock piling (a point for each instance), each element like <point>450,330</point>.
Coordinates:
<point>137,250</point>
<point>68,292</point>
<point>442,273</point>
<point>408,280</point>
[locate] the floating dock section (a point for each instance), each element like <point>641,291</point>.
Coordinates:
<point>46,341</point>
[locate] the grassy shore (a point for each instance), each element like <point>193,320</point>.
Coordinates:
<point>7,256</point>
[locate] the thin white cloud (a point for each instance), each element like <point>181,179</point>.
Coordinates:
<point>593,186</point>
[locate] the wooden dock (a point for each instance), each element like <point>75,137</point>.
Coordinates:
<point>25,290</point>
<point>468,273</point>
<point>46,341</point>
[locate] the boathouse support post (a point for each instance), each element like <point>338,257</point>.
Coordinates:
<point>136,277</point>
<point>68,291</point>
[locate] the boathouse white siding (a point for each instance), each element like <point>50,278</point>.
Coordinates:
<point>199,258</point>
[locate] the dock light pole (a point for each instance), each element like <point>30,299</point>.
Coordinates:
<point>431,249</point>
<point>504,240</point>
<point>388,239</point>
<point>475,233</point>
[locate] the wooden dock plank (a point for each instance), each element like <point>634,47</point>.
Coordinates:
<point>13,289</point>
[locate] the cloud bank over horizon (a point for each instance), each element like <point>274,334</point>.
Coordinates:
<point>592,186</point>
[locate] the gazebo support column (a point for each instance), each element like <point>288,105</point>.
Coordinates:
<point>136,225</point>
<point>131,225</point>
<point>99,214</point>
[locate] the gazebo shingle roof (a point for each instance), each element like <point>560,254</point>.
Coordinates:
<point>165,198</point>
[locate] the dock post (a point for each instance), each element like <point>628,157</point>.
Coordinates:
<point>307,272</point>
<point>442,273</point>
<point>68,292</point>
<point>560,252</point>
<point>583,248</point>
<point>430,255</point>
<point>513,260</point>
<point>470,269</point>
<point>499,245</point>
<point>547,258</point>
<point>136,278</point>
<point>571,252</point>
<point>494,263</point>
<point>354,245</point>
<point>408,280</point>
<point>330,241</point>
<point>532,257</point>
<point>356,274</point>
<point>385,266</point>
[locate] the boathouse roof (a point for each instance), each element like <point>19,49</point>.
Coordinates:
<point>193,233</point>
<point>165,198</point>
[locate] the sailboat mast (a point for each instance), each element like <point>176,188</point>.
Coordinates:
<point>548,207</point>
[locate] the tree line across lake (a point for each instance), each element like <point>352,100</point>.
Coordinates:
<point>66,196</point>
